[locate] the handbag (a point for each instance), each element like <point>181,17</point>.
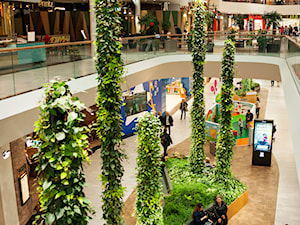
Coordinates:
<point>186,108</point>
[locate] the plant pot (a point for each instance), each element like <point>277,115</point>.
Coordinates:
<point>271,47</point>
<point>261,49</point>
<point>210,47</point>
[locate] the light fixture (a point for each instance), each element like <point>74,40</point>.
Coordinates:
<point>60,8</point>
<point>6,154</point>
<point>184,15</point>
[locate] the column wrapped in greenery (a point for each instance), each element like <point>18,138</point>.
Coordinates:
<point>225,142</point>
<point>62,152</point>
<point>110,69</point>
<point>149,190</point>
<point>197,155</point>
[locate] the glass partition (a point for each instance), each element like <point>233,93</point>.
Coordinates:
<point>24,68</point>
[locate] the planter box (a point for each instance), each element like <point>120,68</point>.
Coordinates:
<point>210,47</point>
<point>170,45</point>
<point>239,44</point>
<point>237,205</point>
<point>273,47</point>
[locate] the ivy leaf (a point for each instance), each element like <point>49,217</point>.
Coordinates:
<point>46,184</point>
<point>63,175</point>
<point>60,136</point>
<point>50,217</point>
<point>72,116</point>
<point>60,194</point>
<point>59,213</point>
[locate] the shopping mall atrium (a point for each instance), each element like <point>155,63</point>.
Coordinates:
<point>46,41</point>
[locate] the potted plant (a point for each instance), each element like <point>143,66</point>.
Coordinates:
<point>262,42</point>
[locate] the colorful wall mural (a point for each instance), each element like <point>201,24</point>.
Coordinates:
<point>135,104</point>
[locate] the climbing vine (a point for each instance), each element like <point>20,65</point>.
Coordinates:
<point>63,149</point>
<point>149,190</point>
<point>109,67</point>
<point>198,110</point>
<point>225,141</point>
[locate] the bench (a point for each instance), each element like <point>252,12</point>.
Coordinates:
<point>208,210</point>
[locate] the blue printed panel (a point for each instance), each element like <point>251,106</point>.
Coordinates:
<point>155,90</point>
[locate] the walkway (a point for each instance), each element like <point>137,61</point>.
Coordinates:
<point>288,195</point>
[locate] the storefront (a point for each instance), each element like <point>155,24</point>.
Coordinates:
<point>254,22</point>
<point>6,19</point>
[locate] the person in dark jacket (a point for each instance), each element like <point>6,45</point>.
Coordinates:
<point>183,108</point>
<point>168,121</point>
<point>161,118</point>
<point>199,216</point>
<point>249,118</point>
<point>150,41</point>
<point>165,141</point>
<point>220,209</point>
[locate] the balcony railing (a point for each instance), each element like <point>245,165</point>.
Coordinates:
<point>268,2</point>
<point>28,68</point>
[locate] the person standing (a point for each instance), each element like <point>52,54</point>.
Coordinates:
<point>161,118</point>
<point>178,31</point>
<point>165,141</point>
<point>168,121</point>
<point>272,83</point>
<point>241,125</point>
<point>249,118</point>
<point>220,209</point>
<point>151,41</point>
<point>257,105</point>
<point>183,108</point>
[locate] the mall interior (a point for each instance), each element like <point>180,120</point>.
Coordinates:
<point>42,41</point>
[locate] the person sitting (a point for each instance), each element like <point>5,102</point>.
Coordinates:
<point>207,163</point>
<point>199,216</point>
<point>220,210</point>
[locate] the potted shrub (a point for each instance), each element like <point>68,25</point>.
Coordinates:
<point>262,42</point>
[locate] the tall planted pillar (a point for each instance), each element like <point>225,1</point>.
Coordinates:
<point>225,142</point>
<point>110,69</point>
<point>198,111</point>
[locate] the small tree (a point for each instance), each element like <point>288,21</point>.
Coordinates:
<point>198,111</point>
<point>239,19</point>
<point>225,141</point>
<point>272,18</point>
<point>110,70</point>
<point>61,155</point>
<point>149,190</point>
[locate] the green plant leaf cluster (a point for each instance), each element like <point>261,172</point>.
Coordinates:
<point>149,166</point>
<point>110,68</point>
<point>190,189</point>
<point>64,148</point>
<point>272,18</point>
<point>224,149</point>
<point>197,155</point>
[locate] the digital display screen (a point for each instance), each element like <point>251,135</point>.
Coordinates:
<point>262,136</point>
<point>135,103</point>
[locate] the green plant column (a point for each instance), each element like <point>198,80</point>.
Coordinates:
<point>110,69</point>
<point>225,141</point>
<point>149,190</point>
<point>197,155</point>
<point>61,155</point>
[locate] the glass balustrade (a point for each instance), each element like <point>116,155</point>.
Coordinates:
<point>27,69</point>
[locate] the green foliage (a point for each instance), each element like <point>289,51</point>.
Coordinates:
<point>110,69</point>
<point>224,150</point>
<point>272,18</point>
<point>209,19</point>
<point>247,85</point>
<point>262,41</point>
<point>64,148</point>
<point>147,19</point>
<point>239,19</point>
<point>149,195</point>
<point>197,155</point>
<point>190,189</point>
